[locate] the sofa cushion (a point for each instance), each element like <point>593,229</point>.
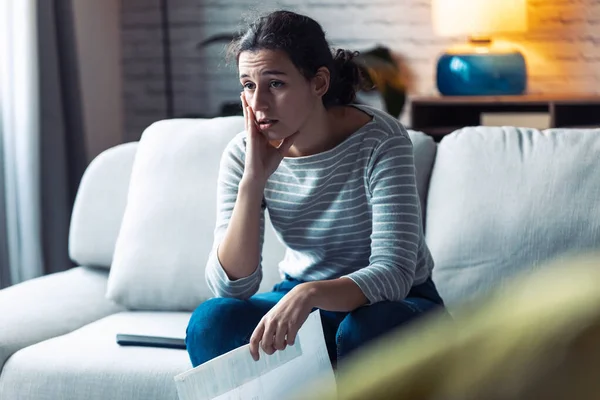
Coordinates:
<point>50,306</point>
<point>99,206</point>
<point>89,364</point>
<point>167,230</point>
<point>506,199</point>
<point>424,149</point>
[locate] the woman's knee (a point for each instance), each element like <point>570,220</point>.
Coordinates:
<point>370,322</point>
<point>214,312</point>
<point>217,326</point>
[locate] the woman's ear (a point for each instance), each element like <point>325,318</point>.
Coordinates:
<point>321,81</point>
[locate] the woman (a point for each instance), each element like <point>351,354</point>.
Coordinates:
<point>339,183</point>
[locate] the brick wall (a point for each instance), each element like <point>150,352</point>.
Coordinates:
<point>562,47</point>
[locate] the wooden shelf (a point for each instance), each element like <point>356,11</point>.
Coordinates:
<point>440,115</point>
<point>500,100</point>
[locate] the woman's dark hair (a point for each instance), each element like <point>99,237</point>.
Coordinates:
<point>303,40</point>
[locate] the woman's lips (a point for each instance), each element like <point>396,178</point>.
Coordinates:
<point>267,124</point>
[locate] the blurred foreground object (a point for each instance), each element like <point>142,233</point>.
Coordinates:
<point>536,338</point>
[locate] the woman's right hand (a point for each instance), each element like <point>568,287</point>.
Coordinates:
<point>262,157</point>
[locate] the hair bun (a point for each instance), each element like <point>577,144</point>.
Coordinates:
<point>347,77</point>
<point>343,56</point>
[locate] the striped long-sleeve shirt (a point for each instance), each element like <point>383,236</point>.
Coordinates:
<point>350,211</point>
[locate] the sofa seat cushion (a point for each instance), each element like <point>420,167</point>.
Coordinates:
<point>502,200</point>
<point>89,364</point>
<point>50,306</point>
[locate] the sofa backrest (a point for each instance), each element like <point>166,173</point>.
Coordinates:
<point>504,200</point>
<point>100,205</point>
<point>102,197</point>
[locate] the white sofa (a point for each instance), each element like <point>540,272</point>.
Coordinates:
<point>496,202</point>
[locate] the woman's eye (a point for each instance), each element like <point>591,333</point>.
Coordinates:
<point>248,85</point>
<point>276,84</point>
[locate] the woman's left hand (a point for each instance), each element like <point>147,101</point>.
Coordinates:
<point>279,327</point>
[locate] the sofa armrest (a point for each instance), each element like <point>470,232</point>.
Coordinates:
<point>50,306</point>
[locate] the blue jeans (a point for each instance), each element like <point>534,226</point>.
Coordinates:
<point>222,324</point>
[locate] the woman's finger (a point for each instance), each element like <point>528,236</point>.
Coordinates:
<point>252,121</point>
<point>244,105</point>
<point>251,125</point>
<point>279,339</point>
<point>267,339</point>
<point>291,334</point>
<point>255,340</point>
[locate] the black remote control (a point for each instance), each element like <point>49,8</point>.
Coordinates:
<point>150,341</point>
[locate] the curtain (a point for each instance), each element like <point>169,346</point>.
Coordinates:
<point>42,155</point>
<point>63,147</point>
<point>20,133</point>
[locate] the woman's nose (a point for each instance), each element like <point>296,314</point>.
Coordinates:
<point>260,100</point>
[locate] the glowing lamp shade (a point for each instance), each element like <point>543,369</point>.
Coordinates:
<point>480,68</point>
<point>478,17</point>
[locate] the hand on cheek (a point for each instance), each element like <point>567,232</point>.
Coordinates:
<point>274,143</point>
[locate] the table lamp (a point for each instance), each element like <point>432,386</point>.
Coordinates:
<point>480,67</point>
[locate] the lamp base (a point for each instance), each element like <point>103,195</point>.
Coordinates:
<point>474,74</point>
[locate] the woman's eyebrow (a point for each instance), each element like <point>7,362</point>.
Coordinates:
<point>266,72</point>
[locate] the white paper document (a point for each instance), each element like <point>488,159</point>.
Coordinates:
<point>286,373</point>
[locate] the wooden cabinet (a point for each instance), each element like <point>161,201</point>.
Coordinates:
<point>438,116</point>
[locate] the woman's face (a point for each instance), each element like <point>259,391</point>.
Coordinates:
<point>280,96</point>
